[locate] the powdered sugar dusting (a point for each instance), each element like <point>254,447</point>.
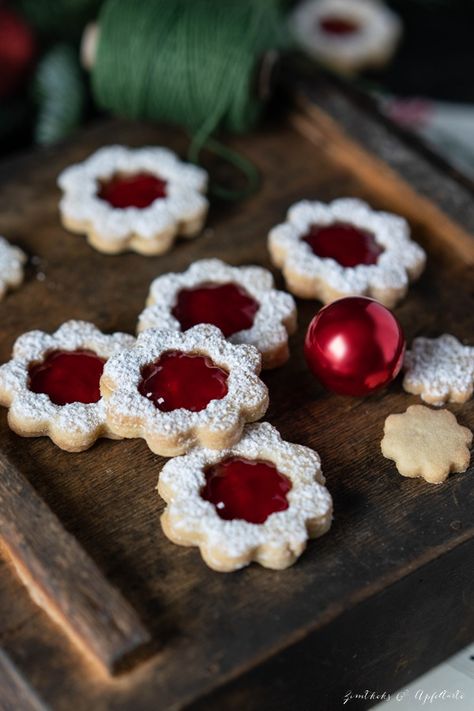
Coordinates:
<point>275,317</point>
<point>247,396</point>
<point>282,537</point>
<point>12,260</point>
<point>401,261</point>
<point>34,413</point>
<point>182,210</point>
<point>440,370</point>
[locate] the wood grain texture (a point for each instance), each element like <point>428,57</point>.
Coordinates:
<point>63,580</point>
<point>213,627</point>
<point>396,632</point>
<point>15,694</point>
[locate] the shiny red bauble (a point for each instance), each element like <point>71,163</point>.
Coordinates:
<point>354,346</point>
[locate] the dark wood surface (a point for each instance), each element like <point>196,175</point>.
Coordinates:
<point>15,693</point>
<point>228,637</point>
<point>63,579</point>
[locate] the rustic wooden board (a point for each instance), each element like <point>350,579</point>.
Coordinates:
<point>223,637</point>
<point>63,580</point>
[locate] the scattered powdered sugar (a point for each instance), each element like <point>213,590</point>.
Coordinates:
<point>310,504</point>
<point>184,202</point>
<point>276,308</point>
<point>440,370</point>
<point>401,260</point>
<point>247,395</point>
<point>35,412</point>
<point>12,260</point>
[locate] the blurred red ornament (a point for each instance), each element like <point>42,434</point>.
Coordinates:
<point>354,346</point>
<point>17,50</point>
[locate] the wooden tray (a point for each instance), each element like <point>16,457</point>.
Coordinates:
<point>386,594</point>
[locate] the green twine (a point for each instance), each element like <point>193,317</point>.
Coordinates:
<point>191,63</point>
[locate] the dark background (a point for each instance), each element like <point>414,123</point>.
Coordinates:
<point>435,59</point>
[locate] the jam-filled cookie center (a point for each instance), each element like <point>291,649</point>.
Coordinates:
<point>132,190</point>
<point>186,380</point>
<point>227,306</point>
<point>246,489</point>
<point>346,244</point>
<point>68,376</point>
<point>338,26</point>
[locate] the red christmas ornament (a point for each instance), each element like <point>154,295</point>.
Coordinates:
<point>17,50</point>
<point>354,346</point>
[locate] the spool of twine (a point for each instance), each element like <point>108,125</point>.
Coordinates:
<point>198,64</point>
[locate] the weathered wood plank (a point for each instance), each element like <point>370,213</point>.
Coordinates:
<point>15,693</point>
<point>63,580</point>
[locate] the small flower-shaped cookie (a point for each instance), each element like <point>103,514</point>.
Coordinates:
<point>12,260</point>
<point>51,385</point>
<point>259,500</point>
<point>177,390</point>
<point>346,35</point>
<point>241,301</point>
<point>426,443</point>
<point>345,249</point>
<point>440,370</point>
<point>133,199</point>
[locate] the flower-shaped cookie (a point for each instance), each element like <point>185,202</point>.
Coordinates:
<point>345,249</point>
<point>426,443</point>
<point>346,35</point>
<point>241,301</point>
<point>259,500</point>
<point>177,390</point>
<point>133,199</point>
<point>51,384</point>
<point>12,260</point>
<point>440,370</point>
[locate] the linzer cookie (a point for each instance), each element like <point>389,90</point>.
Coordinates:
<point>12,260</point>
<point>426,443</point>
<point>133,199</point>
<point>241,301</point>
<point>439,370</point>
<point>345,248</point>
<point>51,384</point>
<point>259,500</point>
<point>348,36</point>
<point>178,390</point>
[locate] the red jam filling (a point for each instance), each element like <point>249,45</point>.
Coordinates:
<point>341,26</point>
<point>183,380</point>
<point>345,243</point>
<point>227,306</point>
<point>246,489</point>
<point>68,376</point>
<point>138,190</point>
